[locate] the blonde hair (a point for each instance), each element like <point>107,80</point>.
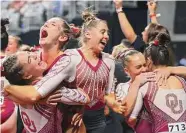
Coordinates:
<point>118,49</point>
<point>123,53</point>
<point>90,20</point>
<point>17,39</point>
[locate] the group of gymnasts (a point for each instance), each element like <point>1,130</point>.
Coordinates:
<point>67,91</point>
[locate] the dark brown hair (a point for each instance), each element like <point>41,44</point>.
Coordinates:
<point>13,70</point>
<point>159,50</point>
<point>154,30</point>
<point>4,34</point>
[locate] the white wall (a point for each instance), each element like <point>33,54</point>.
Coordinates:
<point>167,11</point>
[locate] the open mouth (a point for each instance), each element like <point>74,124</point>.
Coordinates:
<point>44,34</point>
<point>103,43</point>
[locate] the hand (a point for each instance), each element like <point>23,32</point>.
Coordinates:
<point>145,77</point>
<point>152,6</point>
<point>106,110</point>
<point>119,107</point>
<point>77,119</point>
<point>54,98</point>
<point>118,3</point>
<point>120,93</point>
<point>162,75</point>
<point>4,83</point>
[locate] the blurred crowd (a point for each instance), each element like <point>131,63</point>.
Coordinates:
<point>57,87</point>
<point>30,15</point>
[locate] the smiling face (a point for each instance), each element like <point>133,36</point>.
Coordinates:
<point>51,32</point>
<point>98,36</point>
<point>32,65</point>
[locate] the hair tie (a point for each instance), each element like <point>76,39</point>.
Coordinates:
<point>123,53</point>
<point>75,29</point>
<point>156,42</point>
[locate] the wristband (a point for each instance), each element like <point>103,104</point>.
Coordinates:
<point>119,10</point>
<point>154,15</point>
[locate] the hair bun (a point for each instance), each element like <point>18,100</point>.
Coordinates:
<point>3,28</point>
<point>88,15</point>
<point>4,34</point>
<point>4,21</point>
<point>76,31</point>
<point>163,39</point>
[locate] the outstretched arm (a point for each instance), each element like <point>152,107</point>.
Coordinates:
<point>17,101</point>
<point>69,96</point>
<point>164,73</point>
<point>65,95</point>
<point>31,94</point>
<point>179,70</point>
<point>26,94</point>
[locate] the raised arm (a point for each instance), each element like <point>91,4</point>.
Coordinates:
<point>126,27</point>
<point>152,6</point>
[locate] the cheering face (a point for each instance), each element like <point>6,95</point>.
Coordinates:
<point>50,32</point>
<point>32,65</point>
<point>99,37</point>
<point>136,65</point>
<point>12,46</point>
